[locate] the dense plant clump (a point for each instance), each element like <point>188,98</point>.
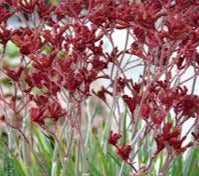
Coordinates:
<point>62,53</point>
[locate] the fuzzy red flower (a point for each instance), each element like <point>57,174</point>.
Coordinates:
<point>171,136</point>
<point>113,138</point>
<point>124,152</point>
<point>37,115</point>
<point>14,74</point>
<point>4,14</point>
<point>131,103</point>
<point>4,35</point>
<point>144,111</point>
<point>188,106</point>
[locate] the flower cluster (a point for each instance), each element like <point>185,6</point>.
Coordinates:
<point>62,53</point>
<point>122,151</point>
<point>161,98</point>
<point>170,137</point>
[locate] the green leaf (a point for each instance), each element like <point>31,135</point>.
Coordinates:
<point>12,50</point>
<point>191,164</point>
<point>45,148</point>
<point>7,166</point>
<point>124,131</point>
<point>18,170</point>
<point>117,161</point>
<point>6,82</point>
<point>176,166</point>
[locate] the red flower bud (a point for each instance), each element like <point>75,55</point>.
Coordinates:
<point>124,152</point>
<point>113,138</point>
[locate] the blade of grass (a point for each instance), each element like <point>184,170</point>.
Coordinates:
<point>191,163</point>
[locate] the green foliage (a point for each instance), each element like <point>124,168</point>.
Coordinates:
<point>12,50</point>
<point>100,162</point>
<point>45,156</point>
<point>191,166</point>
<point>10,165</point>
<point>6,82</point>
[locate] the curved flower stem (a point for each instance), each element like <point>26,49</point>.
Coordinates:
<point>107,125</point>
<point>194,81</point>
<point>167,161</point>
<point>57,143</point>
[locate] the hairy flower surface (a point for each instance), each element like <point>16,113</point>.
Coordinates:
<point>136,53</point>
